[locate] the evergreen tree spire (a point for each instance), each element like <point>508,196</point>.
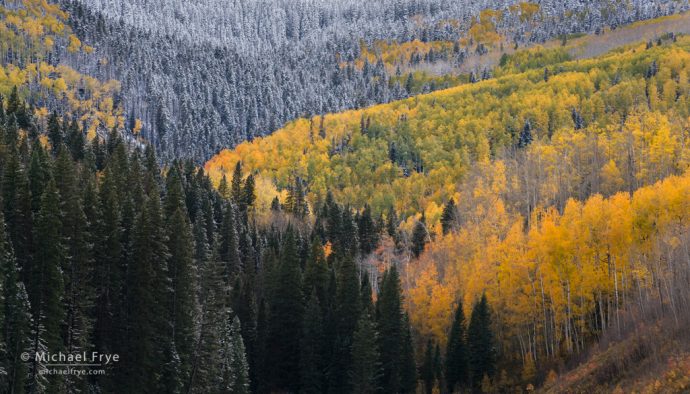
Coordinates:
<point>46,290</point>
<point>456,352</point>
<point>286,316</point>
<point>365,372</point>
<point>480,342</point>
<point>312,349</point>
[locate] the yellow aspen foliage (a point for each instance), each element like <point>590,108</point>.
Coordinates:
<point>74,44</point>
<point>138,125</point>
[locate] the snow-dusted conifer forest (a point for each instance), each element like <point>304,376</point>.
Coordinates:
<point>204,75</point>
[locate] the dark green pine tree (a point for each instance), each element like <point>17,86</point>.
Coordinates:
<point>408,379</point>
<point>223,188</point>
<point>296,200</point>
<point>207,364</point>
<point>237,371</point>
<point>11,132</point>
<point>480,343</point>
<point>349,241</point>
<point>147,292</point>
<point>15,319</point>
<point>55,135</point>
<point>347,309</point>
<point>46,290</point>
<point>78,267</point>
<point>365,372</point>
<point>420,237</point>
<point>392,222</point>
<point>316,272</point>
<point>38,175</point>
<point>368,233</point>
<point>312,348</point>
<point>449,217</point>
<point>248,193</point>
<point>426,370</point>
<point>285,320</point>
<point>181,271</point>
<point>393,335</point>
<point>457,374</point>
<point>75,141</point>
<point>366,295</point>
<point>229,242</point>
<point>109,272</point>
<point>17,210</point>
<point>260,385</point>
<point>236,185</point>
<point>525,135</point>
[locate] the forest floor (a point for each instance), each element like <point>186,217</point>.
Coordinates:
<point>651,358</point>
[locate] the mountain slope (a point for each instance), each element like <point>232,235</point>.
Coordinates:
<point>208,75</point>
<point>583,117</point>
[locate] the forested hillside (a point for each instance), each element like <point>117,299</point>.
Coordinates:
<point>207,75</point>
<point>557,190</point>
<point>527,228</point>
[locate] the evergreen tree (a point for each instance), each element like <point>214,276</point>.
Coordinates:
<point>420,237</point>
<point>236,186</point>
<point>393,334</point>
<point>238,366</point>
<point>285,323</point>
<point>525,135</point>
<point>248,192</point>
<point>368,233</point>
<point>365,372</point>
<point>182,278</point>
<point>77,269</point>
<point>46,290</point>
<point>316,272</point>
<point>229,242</point>
<point>392,222</point>
<point>15,319</point>
<point>480,343</point>
<point>456,352</point>
<point>148,289</point>
<point>449,217</point>
<point>16,201</point>
<point>223,188</point>
<point>55,135</point>
<point>207,364</point>
<point>408,377</point>
<point>426,371</point>
<point>346,312</point>
<point>312,349</point>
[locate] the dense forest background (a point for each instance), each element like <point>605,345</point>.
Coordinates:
<point>206,75</point>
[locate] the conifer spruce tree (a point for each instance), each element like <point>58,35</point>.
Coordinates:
<point>181,271</point>
<point>238,364</point>
<point>480,343</point>
<point>449,217</point>
<point>312,348</point>
<point>408,379</point>
<point>148,289</point>
<point>365,372</point>
<point>426,370</point>
<point>420,237</point>
<point>46,291</point>
<point>15,319</point>
<point>347,309</point>
<point>285,319</point>
<point>456,353</point>
<point>392,333</point>
<point>236,185</point>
